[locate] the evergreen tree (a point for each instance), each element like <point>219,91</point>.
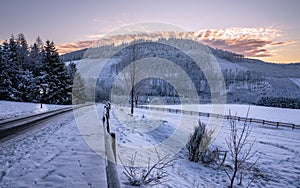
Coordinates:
<point>38,68</point>
<point>72,70</point>
<point>22,52</point>
<point>37,63</point>
<point>27,87</point>
<point>26,81</point>
<point>14,69</point>
<point>78,88</point>
<point>39,44</point>
<point>5,82</point>
<point>57,78</point>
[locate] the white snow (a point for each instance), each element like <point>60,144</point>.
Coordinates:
<point>278,149</point>
<point>259,112</point>
<point>57,155</point>
<point>9,109</point>
<point>296,81</point>
<point>54,155</point>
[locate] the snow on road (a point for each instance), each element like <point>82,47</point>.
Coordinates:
<point>10,109</point>
<point>278,149</point>
<point>53,155</point>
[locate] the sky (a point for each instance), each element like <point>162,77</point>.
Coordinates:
<point>263,29</point>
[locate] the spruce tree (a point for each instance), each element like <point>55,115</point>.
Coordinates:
<point>78,88</point>
<point>14,69</point>
<point>26,81</point>
<point>58,89</point>
<point>5,82</point>
<point>22,51</point>
<point>38,68</point>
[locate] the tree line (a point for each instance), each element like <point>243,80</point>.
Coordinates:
<point>34,73</point>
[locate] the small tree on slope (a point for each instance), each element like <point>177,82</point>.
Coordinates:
<point>240,150</point>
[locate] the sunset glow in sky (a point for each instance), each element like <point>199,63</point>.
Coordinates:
<point>263,29</point>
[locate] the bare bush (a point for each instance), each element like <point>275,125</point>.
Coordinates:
<point>240,150</point>
<point>153,174</point>
<point>199,143</point>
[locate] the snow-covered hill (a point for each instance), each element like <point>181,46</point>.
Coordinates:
<point>247,80</point>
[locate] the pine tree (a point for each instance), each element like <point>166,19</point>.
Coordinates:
<point>72,70</point>
<point>22,51</point>
<point>5,82</point>
<point>38,68</point>
<point>57,78</point>
<point>26,81</point>
<point>78,86</point>
<point>14,69</point>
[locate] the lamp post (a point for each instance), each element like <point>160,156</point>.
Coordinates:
<point>41,96</point>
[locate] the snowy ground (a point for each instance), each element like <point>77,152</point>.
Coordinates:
<point>10,109</point>
<point>51,155</point>
<point>259,112</point>
<point>57,155</point>
<point>296,81</point>
<point>278,149</point>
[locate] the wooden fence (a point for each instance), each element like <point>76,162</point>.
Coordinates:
<point>203,114</point>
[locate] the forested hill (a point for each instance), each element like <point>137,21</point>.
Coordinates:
<point>247,80</point>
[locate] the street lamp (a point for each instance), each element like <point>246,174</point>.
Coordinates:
<point>41,96</point>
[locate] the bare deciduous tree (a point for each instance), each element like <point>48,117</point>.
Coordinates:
<point>240,150</point>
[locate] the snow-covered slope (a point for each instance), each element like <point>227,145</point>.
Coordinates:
<point>247,80</point>
<point>296,81</point>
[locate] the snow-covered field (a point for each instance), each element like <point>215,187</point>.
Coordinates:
<point>278,149</point>
<point>57,155</point>
<point>296,81</point>
<point>10,109</point>
<point>259,112</point>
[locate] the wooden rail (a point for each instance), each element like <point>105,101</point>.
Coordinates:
<point>203,114</point>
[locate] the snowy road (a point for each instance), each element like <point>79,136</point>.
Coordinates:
<point>52,155</point>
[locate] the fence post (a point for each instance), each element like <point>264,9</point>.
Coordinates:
<point>107,115</point>
<point>277,124</point>
<point>293,126</point>
<point>113,145</point>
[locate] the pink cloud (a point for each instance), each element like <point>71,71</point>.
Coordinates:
<point>251,42</point>
<point>68,47</point>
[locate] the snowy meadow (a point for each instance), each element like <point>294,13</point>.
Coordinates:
<point>276,149</point>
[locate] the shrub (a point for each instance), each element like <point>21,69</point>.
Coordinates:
<point>153,174</point>
<point>198,145</point>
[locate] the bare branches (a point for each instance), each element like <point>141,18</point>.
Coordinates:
<point>153,174</point>
<point>240,150</point>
